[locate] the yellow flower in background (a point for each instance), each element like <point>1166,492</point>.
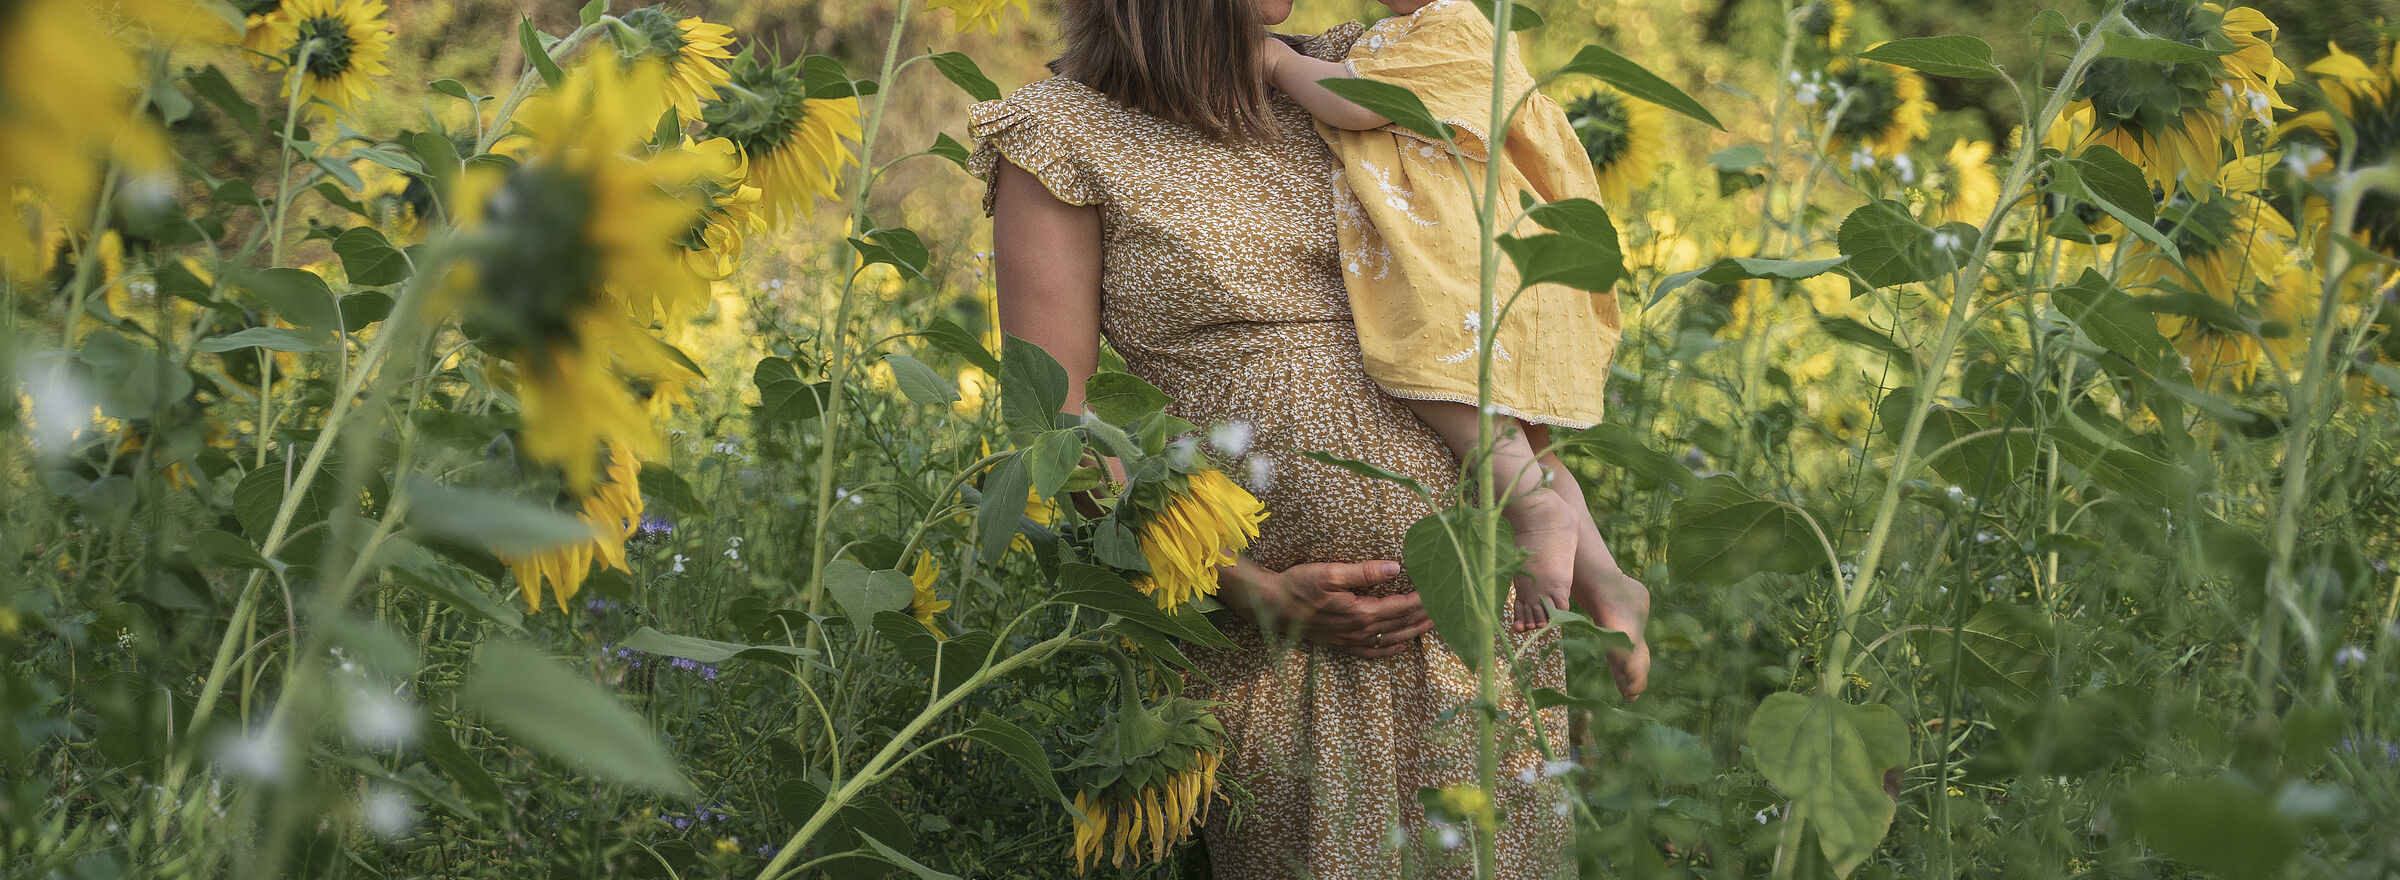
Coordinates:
<point>574,251</point>
<point>1622,136</point>
<point>2173,118</point>
<point>923,604</point>
<point>1468,802</point>
<point>68,91</point>
<point>689,47</point>
<point>979,14</point>
<point>613,509</point>
<point>2363,94</point>
<point>1195,532</point>
<point>728,208</point>
<point>1887,110</point>
<point>339,43</point>
<point>793,143</point>
<point>1968,187</point>
<point>257,36</point>
<point>2238,249</point>
<point>1826,22</point>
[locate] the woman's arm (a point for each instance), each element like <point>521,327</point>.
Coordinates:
<point>1297,76</point>
<point>1046,261</point>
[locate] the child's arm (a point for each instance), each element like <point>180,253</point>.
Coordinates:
<point>1297,76</point>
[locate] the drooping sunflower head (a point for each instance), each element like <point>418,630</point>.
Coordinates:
<point>2172,117</point>
<point>728,212</point>
<point>792,142</point>
<point>1621,136</point>
<point>1188,526</point>
<point>2367,96</point>
<point>572,251</point>
<point>1826,23</point>
<point>1966,187</point>
<point>1887,107</point>
<point>612,508</point>
<point>332,47</point>
<point>2231,292</point>
<point>922,603</point>
<point>690,47</point>
<point>1148,775</point>
<point>979,14</point>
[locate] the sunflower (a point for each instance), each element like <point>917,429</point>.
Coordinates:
<point>67,101</point>
<point>1826,23</point>
<point>2364,94</point>
<point>2173,118</point>
<point>1887,107</point>
<point>923,604</point>
<point>1621,135</point>
<point>342,42</point>
<point>979,14</point>
<point>712,247</point>
<point>613,509</point>
<point>256,35</point>
<point>574,251</point>
<point>691,49</point>
<point>1147,773</point>
<point>791,142</point>
<point>2237,250</point>
<point>1967,186</point>
<point>1190,534</point>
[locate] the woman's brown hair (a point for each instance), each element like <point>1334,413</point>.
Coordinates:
<point>1194,62</point>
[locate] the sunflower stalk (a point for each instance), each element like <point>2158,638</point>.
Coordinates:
<point>1485,562</point>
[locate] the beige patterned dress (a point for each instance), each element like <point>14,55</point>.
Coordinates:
<point>1222,285</point>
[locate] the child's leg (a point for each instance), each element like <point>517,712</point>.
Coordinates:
<point>1601,589</point>
<point>1542,519</point>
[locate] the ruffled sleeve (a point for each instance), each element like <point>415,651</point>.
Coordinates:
<point>1018,128</point>
<point>1445,56</point>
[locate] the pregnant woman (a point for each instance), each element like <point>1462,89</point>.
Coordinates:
<point>1159,193</point>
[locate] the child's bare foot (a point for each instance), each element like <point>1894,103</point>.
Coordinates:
<point>1546,529</point>
<point>1613,599</point>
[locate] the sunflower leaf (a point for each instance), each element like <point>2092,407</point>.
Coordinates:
<point>1636,80</point>
<point>591,12</point>
<point>1003,504</point>
<point>823,78</point>
<point>1617,445</point>
<point>948,148</point>
<point>269,338</point>
<point>1370,471</point>
<point>1122,398</point>
<point>1098,588</point>
<point>2114,44</point>
<point>663,483</point>
<point>1830,758</point>
<point>1438,554</point>
<point>563,714</point>
<point>903,861</point>
<point>1952,55</point>
<point>1520,16</point>
<point>1000,733</point>
<point>212,84</point>
<point>946,335</point>
<point>1033,387</point>
<point>919,382</point>
<point>2113,321</point>
<point>1731,269</point>
<point>1054,456</point>
<point>1392,102</point>
<point>370,259</point>
<point>1887,246</point>
<point>864,594</point>
<point>784,396</point>
<point>531,41</point>
<point>508,525</point>
<point>961,71</point>
<point>1724,533</point>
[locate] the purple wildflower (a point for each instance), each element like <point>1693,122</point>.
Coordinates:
<point>656,526</point>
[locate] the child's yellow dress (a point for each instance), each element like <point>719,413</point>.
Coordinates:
<point>1409,239</point>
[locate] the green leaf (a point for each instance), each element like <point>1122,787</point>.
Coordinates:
<point>1520,16</point>
<point>362,309</point>
<point>529,40</point>
<point>2110,179</point>
<point>414,566</point>
<point>1636,80</point>
<point>919,382</point>
<point>948,148</point>
<point>2114,44</point>
<point>961,71</point>
<point>370,259</point>
<point>1617,445</point>
<point>1829,757</point>
<point>1033,387</point>
<point>783,396</point>
<point>1002,505</point>
<point>664,484</point>
<point>651,641</point>
<point>269,338</point>
<point>904,862</point>
<point>948,336</point>
<point>999,733</point>
<point>1392,102</point>
<point>510,526</point>
<point>340,170</point>
<point>1721,533</point>
<point>223,548</point>
<point>956,659</point>
<point>298,296</point>
<point>440,155</point>
<point>388,159</point>
<point>1887,246</point>
<point>1053,458</point>
<point>1731,269</point>
<point>2112,320</point>
<point>135,380</point>
<point>825,78</point>
<point>1098,588</point>
<point>563,714</point>
<point>1953,55</point>
<point>453,88</point>
<point>1741,158</point>
<point>1122,398</point>
<point>2052,23</point>
<point>1553,258</point>
<point>1370,471</point>
<point>261,493</point>
<point>1464,606</point>
<point>592,12</point>
<point>1851,331</point>
<point>864,594</point>
<point>2004,647</point>
<point>211,83</point>
<point>899,247</point>
<point>470,777</point>
<point>2220,824</point>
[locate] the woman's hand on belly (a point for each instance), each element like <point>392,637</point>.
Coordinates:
<point>1319,599</point>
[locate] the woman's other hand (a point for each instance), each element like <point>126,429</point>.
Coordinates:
<point>1318,599</point>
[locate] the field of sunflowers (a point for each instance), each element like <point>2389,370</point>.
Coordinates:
<point>473,439</point>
